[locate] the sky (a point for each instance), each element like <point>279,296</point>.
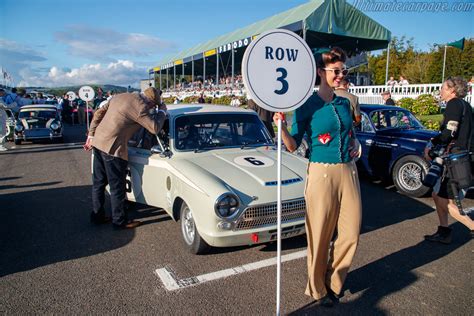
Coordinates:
<point>56,43</point>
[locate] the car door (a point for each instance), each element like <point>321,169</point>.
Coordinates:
<point>149,171</point>
<point>365,133</point>
<point>380,153</point>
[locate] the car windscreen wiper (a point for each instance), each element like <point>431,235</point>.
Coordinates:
<point>257,142</point>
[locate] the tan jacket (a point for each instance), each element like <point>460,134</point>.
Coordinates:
<point>116,122</point>
<point>353,100</point>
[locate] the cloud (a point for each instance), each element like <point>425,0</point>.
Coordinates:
<point>121,72</point>
<point>14,56</point>
<point>107,45</point>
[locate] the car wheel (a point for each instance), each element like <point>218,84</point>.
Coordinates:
<point>191,237</point>
<point>17,141</point>
<point>407,175</point>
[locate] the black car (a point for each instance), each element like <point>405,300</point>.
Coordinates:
<point>38,122</point>
<point>393,141</point>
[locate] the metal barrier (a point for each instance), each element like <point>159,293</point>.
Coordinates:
<point>366,94</point>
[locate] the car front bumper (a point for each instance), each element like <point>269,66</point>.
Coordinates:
<point>254,236</point>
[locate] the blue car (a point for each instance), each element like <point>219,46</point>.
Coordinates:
<point>392,142</point>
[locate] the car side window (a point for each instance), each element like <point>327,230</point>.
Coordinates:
<point>365,126</point>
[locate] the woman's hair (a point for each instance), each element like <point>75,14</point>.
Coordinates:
<point>334,55</point>
<point>459,85</point>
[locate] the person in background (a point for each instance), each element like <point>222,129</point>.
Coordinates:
<point>387,98</point>
<point>112,127</point>
<point>332,193</point>
<point>12,97</point>
<point>81,111</point>
<point>98,99</point>
<point>343,91</point>
<point>201,98</point>
<point>456,132</point>
<point>402,81</point>
<point>235,102</point>
<point>3,125</point>
<point>391,82</point>
<point>265,115</point>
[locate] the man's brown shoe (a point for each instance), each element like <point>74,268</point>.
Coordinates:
<point>128,225</point>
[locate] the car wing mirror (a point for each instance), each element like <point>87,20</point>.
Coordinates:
<point>164,153</point>
<point>156,149</point>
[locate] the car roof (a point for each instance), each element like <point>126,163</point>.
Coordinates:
<point>373,107</point>
<point>183,108</point>
<point>35,106</point>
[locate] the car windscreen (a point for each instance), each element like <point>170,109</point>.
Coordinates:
<point>207,131</point>
<point>384,119</point>
<point>45,114</point>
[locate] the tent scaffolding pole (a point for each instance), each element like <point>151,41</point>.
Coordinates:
<point>204,71</point>
<point>388,62</point>
<point>217,69</point>
<point>174,76</point>
<point>192,72</point>
<point>232,82</point>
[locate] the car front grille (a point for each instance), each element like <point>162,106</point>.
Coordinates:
<point>266,214</point>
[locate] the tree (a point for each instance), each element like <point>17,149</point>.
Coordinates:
<point>422,67</point>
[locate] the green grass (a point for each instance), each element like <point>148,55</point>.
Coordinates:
<point>434,117</point>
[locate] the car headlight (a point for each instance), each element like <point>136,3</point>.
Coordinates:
<point>55,126</point>
<point>226,205</point>
<point>19,128</point>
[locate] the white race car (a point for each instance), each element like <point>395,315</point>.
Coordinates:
<point>214,169</point>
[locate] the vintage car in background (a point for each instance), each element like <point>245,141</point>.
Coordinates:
<point>38,122</point>
<point>214,168</point>
<point>393,141</point>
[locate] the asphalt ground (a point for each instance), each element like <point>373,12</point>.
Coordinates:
<point>53,261</point>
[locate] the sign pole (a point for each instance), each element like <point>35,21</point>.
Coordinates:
<point>278,221</point>
<point>87,114</point>
<point>279,74</point>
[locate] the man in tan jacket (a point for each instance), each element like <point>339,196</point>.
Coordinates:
<point>342,91</point>
<point>111,128</point>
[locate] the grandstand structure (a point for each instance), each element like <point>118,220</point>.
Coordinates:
<point>322,23</point>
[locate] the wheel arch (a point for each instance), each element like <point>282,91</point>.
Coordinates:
<point>178,201</point>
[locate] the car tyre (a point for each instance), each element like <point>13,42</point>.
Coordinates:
<point>17,141</point>
<point>192,240</point>
<point>408,174</point>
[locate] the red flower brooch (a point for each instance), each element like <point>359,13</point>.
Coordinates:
<point>324,138</point>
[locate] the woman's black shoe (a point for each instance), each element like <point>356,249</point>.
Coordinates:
<point>325,301</point>
<point>333,296</point>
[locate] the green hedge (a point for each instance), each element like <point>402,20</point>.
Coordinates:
<point>224,100</point>
<point>431,124</point>
<point>425,104</point>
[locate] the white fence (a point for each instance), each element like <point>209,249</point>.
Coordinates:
<point>366,94</point>
<point>372,94</point>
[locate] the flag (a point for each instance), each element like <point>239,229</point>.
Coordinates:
<point>458,44</point>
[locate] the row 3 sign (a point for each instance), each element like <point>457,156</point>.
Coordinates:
<point>279,70</point>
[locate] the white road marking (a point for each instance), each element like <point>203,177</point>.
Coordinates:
<point>171,282</point>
